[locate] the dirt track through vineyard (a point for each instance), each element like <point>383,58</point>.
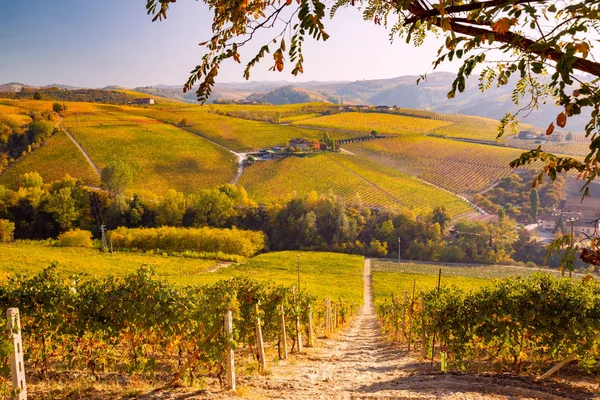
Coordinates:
<point>360,364</point>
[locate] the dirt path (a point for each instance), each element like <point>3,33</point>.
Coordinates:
<point>85,154</point>
<point>361,364</point>
<point>241,157</point>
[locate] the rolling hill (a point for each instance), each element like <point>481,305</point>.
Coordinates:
<point>347,176</point>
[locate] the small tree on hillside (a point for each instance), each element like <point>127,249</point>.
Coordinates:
<point>57,108</point>
<point>7,229</point>
<point>534,199</point>
<point>569,136</point>
<point>116,177</point>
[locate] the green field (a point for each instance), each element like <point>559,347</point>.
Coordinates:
<point>162,157</point>
<point>346,176</point>
<point>393,277</point>
<point>238,134</point>
<point>456,166</point>
<point>322,274</point>
<point>57,157</point>
<point>383,123</point>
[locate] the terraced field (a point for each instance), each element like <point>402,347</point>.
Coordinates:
<point>349,177</point>
<point>576,149</point>
<point>383,123</point>
<point>473,128</point>
<point>456,166</point>
<point>162,157</point>
<point>57,157</point>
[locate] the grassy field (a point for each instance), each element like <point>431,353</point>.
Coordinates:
<point>31,257</point>
<point>57,157</point>
<point>235,133</point>
<point>393,277</point>
<point>322,274</point>
<point>383,123</point>
<point>162,157</point>
<point>456,166</point>
<point>347,176</point>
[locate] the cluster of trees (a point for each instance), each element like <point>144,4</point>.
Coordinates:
<point>57,94</point>
<point>40,211</point>
<point>515,197</point>
<point>17,140</point>
<point>273,115</point>
<point>283,95</point>
<point>311,222</point>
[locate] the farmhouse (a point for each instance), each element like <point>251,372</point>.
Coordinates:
<point>548,222</point>
<point>527,135</point>
<point>145,100</point>
<point>586,226</point>
<point>301,143</point>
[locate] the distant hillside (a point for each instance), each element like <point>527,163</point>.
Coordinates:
<point>403,91</point>
<point>282,95</point>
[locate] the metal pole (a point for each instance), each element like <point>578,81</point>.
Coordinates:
<point>399,248</point>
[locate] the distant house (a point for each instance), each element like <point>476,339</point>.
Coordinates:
<point>300,143</point>
<point>556,137</point>
<point>527,135</point>
<point>587,226</point>
<point>383,108</point>
<point>548,222</point>
<point>145,100</point>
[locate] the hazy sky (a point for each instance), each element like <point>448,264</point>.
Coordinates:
<point>108,42</point>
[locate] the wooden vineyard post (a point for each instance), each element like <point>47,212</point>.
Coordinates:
<point>283,335</point>
<point>404,314</point>
<point>335,317</point>
<point>229,354</point>
<point>311,338</point>
<point>17,367</point>
<point>298,331</point>
<point>394,318</point>
<point>423,335</point>
<point>260,348</point>
<point>328,316</point>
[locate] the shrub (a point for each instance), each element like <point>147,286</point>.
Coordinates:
<point>531,264</point>
<point>228,241</point>
<point>75,238</point>
<point>6,231</point>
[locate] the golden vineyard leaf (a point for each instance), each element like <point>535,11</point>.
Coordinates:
<point>561,120</point>
<point>502,25</point>
<point>550,129</point>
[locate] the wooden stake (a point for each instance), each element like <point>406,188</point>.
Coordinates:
<point>298,331</point>
<point>404,314</point>
<point>17,367</point>
<point>311,339</point>
<point>260,348</point>
<point>423,335</point>
<point>394,318</point>
<point>335,316</point>
<point>564,362</point>
<point>230,356</point>
<point>283,335</point>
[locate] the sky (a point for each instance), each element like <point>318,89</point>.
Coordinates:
<point>96,43</point>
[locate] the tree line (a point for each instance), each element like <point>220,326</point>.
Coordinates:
<point>17,140</point>
<point>327,222</point>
